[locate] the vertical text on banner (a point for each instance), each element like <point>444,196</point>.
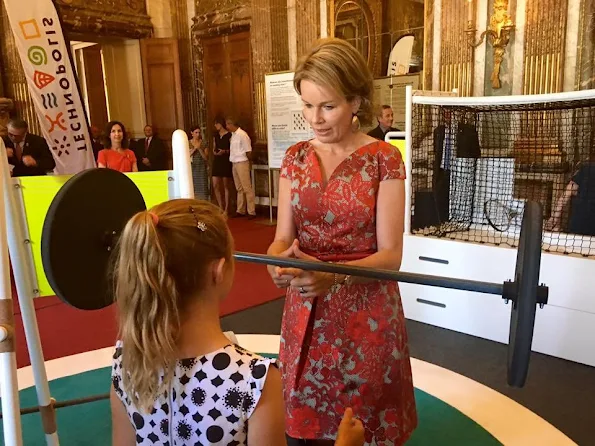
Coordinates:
<point>52,83</point>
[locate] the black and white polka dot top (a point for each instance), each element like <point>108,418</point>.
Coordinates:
<point>209,401</point>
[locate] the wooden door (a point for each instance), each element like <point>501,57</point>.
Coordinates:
<point>162,86</point>
<point>95,85</point>
<point>228,80</point>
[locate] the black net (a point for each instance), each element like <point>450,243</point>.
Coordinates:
<point>474,167</point>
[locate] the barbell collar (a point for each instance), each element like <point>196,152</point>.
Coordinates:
<point>372,273</point>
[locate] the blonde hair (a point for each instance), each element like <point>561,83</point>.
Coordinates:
<point>160,265</point>
<point>336,64</point>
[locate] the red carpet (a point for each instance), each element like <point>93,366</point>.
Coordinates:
<point>66,331</point>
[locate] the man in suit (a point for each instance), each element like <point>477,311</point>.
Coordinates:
<point>96,140</point>
<point>451,141</point>
<point>150,151</point>
<point>385,119</point>
<point>28,154</point>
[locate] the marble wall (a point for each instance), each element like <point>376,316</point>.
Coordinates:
<point>551,49</point>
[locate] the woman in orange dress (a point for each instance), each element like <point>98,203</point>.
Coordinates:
<point>342,199</point>
<point>117,155</point>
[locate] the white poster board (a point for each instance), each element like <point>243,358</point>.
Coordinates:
<point>286,125</point>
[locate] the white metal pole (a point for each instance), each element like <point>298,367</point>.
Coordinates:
<point>408,161</point>
<point>9,387</point>
<point>181,163</point>
<point>271,176</point>
<point>24,278</point>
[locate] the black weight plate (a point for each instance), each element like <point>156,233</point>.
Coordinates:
<point>80,228</point>
<point>524,304</point>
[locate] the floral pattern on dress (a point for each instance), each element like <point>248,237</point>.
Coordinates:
<point>348,348</point>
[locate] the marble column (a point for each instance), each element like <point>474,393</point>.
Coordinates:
<point>571,50</point>
<point>292,33</point>
<point>436,47</point>
<point>517,47</point>
<point>585,78</point>
<point>180,26</point>
<point>307,24</point>
<point>428,44</point>
<point>270,53</point>
<point>482,20</point>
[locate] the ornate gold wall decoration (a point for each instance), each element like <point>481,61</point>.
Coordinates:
<point>106,17</point>
<point>498,34</point>
<point>354,21</point>
<point>545,35</point>
<point>456,56</point>
<point>371,34</point>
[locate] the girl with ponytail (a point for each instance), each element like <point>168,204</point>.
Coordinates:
<point>176,377</point>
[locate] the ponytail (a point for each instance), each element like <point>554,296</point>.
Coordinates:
<point>148,304</point>
<point>161,262</point>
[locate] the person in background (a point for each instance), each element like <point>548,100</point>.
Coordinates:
<point>28,154</point>
<point>150,151</point>
<point>342,200</point>
<point>176,378</point>
<point>240,152</point>
<point>96,141</point>
<point>222,167</point>
<point>116,154</point>
<point>385,123</point>
<point>580,194</point>
<point>199,159</point>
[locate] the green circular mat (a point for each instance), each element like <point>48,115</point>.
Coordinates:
<point>90,424</point>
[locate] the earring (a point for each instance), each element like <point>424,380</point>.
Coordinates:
<point>355,124</point>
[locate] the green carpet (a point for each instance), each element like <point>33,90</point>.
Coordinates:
<point>89,424</point>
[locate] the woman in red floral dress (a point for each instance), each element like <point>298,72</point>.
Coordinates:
<point>341,199</point>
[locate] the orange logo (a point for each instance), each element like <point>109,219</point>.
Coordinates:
<point>42,80</point>
<point>58,121</point>
<point>29,29</point>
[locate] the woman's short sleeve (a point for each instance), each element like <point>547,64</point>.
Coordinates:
<point>132,156</point>
<point>289,161</point>
<point>391,163</point>
<point>101,158</point>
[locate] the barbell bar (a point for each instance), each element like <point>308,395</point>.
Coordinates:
<point>372,273</point>
<point>91,209</point>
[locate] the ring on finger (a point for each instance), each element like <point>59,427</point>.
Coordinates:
<point>302,290</point>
